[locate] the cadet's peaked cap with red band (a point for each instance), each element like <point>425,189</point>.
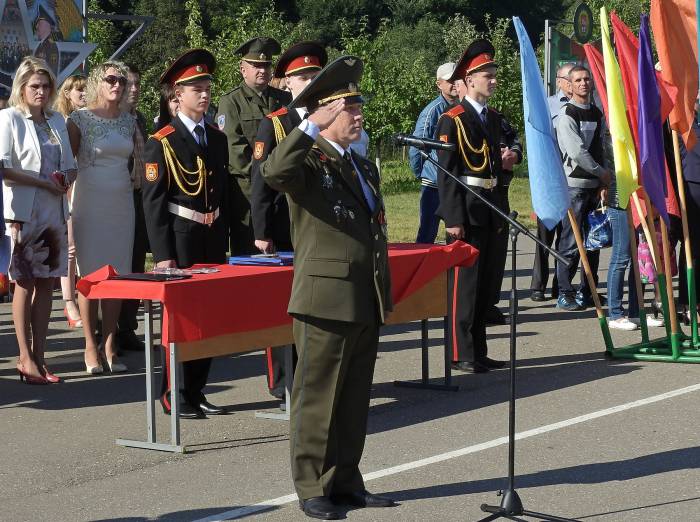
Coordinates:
<point>301,57</point>
<point>259,50</point>
<point>195,64</point>
<point>479,55</point>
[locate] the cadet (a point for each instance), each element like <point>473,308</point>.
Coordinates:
<point>298,65</point>
<point>341,291</point>
<point>184,195</point>
<point>240,112</point>
<point>476,130</point>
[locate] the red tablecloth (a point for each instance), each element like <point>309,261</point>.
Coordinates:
<point>245,298</point>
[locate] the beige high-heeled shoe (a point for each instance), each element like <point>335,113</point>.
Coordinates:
<point>114,366</point>
<point>94,370</point>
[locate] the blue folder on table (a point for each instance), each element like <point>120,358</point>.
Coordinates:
<point>278,259</point>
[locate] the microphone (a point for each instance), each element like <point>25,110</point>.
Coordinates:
<point>421,143</point>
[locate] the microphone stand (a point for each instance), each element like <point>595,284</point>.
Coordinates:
<point>511,506</point>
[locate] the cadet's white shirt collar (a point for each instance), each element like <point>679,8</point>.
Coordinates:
<point>477,106</point>
<point>191,124</point>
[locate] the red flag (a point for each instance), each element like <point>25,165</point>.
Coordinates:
<point>595,62</point>
<point>675,29</point>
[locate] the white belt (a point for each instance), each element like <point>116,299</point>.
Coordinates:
<point>193,215</point>
<point>472,181</point>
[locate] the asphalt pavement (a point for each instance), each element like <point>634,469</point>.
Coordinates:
<point>598,439</point>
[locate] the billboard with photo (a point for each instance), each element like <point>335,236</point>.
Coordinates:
<point>49,29</point>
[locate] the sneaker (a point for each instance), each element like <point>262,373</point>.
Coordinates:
<point>568,303</point>
<point>651,320</point>
<point>622,324</point>
<point>587,300</point>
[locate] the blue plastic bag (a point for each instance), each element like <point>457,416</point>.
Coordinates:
<point>598,229</point>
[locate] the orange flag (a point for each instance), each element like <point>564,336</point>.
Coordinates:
<point>675,29</point>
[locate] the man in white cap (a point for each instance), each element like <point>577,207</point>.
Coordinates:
<point>424,170</point>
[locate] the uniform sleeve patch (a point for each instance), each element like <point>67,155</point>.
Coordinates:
<point>259,148</point>
<point>151,172</point>
<point>221,121</point>
<point>443,138</point>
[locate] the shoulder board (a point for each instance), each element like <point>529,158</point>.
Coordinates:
<point>277,113</point>
<point>455,111</point>
<point>162,133</point>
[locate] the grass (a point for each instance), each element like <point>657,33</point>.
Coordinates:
<point>402,192</point>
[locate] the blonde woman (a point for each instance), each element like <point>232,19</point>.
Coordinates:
<point>36,164</point>
<point>103,207</point>
<point>70,97</point>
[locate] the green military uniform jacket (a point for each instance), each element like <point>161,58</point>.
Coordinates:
<point>240,112</point>
<point>341,263</point>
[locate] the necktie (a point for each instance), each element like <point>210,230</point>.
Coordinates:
<point>483,115</point>
<point>199,131</point>
<point>366,190</point>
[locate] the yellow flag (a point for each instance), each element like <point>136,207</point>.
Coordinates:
<point>623,145</point>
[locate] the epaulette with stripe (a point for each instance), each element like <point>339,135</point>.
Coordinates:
<point>279,112</point>
<point>455,111</point>
<point>162,133</point>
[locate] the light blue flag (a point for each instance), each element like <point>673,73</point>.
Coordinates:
<point>548,187</point>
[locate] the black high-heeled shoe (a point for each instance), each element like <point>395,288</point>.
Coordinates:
<point>657,309</point>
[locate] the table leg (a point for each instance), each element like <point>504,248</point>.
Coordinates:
<point>151,443</point>
<point>174,396</point>
<point>425,369</point>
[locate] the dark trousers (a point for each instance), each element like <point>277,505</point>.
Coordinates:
<point>128,316</point>
<point>500,252</point>
<point>470,292</point>
<point>692,197</point>
<point>428,222</point>
<point>241,232</point>
<point>195,244</point>
<point>330,404</point>
<point>540,269</point>
<point>583,201</point>
<point>276,371</point>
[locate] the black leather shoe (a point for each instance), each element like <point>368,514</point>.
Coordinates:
<point>494,317</point>
<point>538,296</point>
<point>468,367</point>
<point>491,363</point>
<point>321,508</point>
<point>187,411</point>
<point>363,499</point>
<point>129,341</point>
<point>209,409</point>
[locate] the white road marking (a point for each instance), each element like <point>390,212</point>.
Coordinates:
<point>266,505</point>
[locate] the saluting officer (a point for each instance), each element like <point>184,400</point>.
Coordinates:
<point>184,198</point>
<point>240,112</point>
<point>298,65</point>
<point>476,130</point>
<point>341,290</point>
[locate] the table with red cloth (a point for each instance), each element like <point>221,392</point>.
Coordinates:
<point>244,308</point>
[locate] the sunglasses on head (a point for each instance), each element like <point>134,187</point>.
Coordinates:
<point>113,80</point>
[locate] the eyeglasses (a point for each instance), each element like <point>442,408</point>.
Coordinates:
<point>562,78</point>
<point>113,80</point>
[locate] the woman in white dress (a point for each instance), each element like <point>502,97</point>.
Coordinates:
<point>103,207</point>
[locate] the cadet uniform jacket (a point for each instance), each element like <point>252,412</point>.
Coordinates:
<point>240,113</point>
<point>160,187</point>
<point>477,155</point>
<point>341,261</point>
<point>269,209</point>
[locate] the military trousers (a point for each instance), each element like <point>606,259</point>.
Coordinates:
<point>330,404</point>
<point>470,293</point>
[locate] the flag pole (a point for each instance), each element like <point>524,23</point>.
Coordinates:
<point>591,283</point>
<point>690,271</point>
<point>637,278</point>
<point>673,318</point>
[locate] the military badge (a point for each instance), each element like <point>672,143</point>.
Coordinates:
<point>351,214</point>
<point>151,172</point>
<point>221,121</point>
<point>199,69</point>
<point>259,148</point>
<point>327,181</point>
<point>443,138</point>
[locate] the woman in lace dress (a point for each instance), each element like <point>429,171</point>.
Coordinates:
<point>103,207</point>
<point>36,165</point>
